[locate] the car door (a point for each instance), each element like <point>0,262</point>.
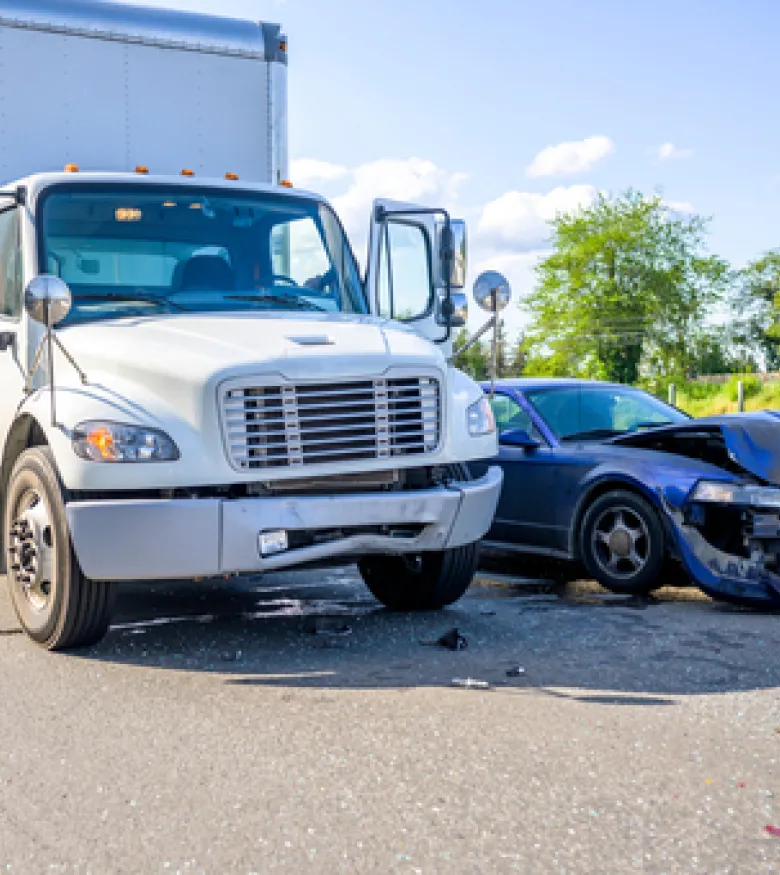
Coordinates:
<point>12,341</point>
<point>527,511</point>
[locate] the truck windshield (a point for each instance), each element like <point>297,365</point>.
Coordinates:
<point>129,250</point>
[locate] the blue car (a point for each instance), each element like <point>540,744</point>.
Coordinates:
<point>609,477</point>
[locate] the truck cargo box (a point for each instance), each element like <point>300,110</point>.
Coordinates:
<point>174,91</point>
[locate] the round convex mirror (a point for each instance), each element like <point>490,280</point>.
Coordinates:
<point>492,291</point>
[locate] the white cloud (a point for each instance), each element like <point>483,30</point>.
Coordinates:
<point>508,234</point>
<point>309,171</point>
<point>354,189</point>
<point>669,152</point>
<point>571,157</point>
<point>518,220</point>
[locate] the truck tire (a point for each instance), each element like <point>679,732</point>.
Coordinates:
<point>425,581</point>
<point>622,543</point>
<point>57,606</point>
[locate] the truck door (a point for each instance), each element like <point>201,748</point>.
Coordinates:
<point>12,347</point>
<point>407,277</point>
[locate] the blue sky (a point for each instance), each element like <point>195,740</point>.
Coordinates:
<point>454,101</point>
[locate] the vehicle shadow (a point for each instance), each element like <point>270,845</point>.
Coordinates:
<point>321,629</point>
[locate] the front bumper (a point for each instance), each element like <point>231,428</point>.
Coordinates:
<point>720,575</point>
<point>181,539</point>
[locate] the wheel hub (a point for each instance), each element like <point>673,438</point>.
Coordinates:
<point>621,542</point>
<point>31,551</point>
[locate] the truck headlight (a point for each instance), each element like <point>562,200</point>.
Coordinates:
<point>745,494</point>
<point>114,442</point>
<point>480,418</point>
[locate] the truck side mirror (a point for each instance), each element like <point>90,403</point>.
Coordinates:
<point>459,260</point>
<point>47,300</point>
<point>460,310</point>
<point>492,291</point>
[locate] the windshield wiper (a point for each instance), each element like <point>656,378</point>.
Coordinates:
<point>284,300</point>
<point>594,433</point>
<point>159,300</point>
<point>649,425</point>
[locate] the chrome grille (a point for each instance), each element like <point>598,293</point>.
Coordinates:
<point>309,424</point>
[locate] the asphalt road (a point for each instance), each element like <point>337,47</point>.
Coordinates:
<point>214,731</point>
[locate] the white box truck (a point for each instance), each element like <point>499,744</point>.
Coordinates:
<point>196,380</point>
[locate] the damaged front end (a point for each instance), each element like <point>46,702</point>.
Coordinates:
<point>728,538</point>
<point>725,516</point>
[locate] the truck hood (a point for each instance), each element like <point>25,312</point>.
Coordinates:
<point>203,343</point>
<point>746,443</point>
<point>181,359</point>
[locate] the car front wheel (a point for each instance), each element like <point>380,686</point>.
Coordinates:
<point>622,543</point>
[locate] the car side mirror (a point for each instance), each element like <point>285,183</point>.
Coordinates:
<point>518,437</point>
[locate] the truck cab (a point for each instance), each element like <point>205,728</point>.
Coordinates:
<point>197,379</point>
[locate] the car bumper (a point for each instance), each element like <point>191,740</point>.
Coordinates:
<point>181,539</point>
<point>721,575</point>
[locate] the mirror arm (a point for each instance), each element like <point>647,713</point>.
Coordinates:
<point>475,338</point>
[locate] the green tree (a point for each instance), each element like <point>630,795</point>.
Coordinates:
<point>627,285</point>
<point>475,361</point>
<point>757,309</point>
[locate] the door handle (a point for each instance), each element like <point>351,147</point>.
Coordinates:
<point>6,340</point>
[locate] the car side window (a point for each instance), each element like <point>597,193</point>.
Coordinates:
<point>510,415</point>
<point>10,266</point>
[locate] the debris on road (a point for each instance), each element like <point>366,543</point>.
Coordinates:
<point>470,684</point>
<point>773,831</point>
<point>452,640</point>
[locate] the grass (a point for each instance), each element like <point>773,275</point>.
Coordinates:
<point>707,399</point>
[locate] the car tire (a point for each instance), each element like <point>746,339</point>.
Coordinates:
<point>57,606</point>
<point>425,581</point>
<point>622,543</point>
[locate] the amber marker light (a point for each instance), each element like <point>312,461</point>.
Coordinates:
<point>231,177</point>
<point>71,168</point>
<point>187,173</point>
<point>142,168</point>
<point>101,441</point>
<point>285,183</point>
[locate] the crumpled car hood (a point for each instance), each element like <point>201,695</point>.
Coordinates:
<point>751,441</point>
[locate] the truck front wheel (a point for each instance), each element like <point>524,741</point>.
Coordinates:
<point>423,582</point>
<point>57,606</point>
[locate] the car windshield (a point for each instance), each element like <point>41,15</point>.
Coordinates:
<point>599,412</point>
<point>135,249</point>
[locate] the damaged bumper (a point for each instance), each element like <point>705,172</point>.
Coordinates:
<point>129,540</point>
<point>723,575</point>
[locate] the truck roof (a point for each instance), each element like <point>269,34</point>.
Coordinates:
<point>35,183</point>
<point>119,22</point>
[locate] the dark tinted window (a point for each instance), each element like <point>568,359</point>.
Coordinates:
<point>600,411</point>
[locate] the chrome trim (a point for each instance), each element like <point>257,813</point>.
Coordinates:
<point>275,424</point>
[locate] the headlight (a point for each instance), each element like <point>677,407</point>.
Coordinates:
<point>745,494</point>
<point>113,442</point>
<point>480,418</point>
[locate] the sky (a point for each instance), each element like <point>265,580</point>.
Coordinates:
<point>507,111</point>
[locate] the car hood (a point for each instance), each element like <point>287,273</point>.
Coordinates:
<point>745,442</point>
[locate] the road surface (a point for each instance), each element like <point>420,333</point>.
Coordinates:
<point>218,731</point>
